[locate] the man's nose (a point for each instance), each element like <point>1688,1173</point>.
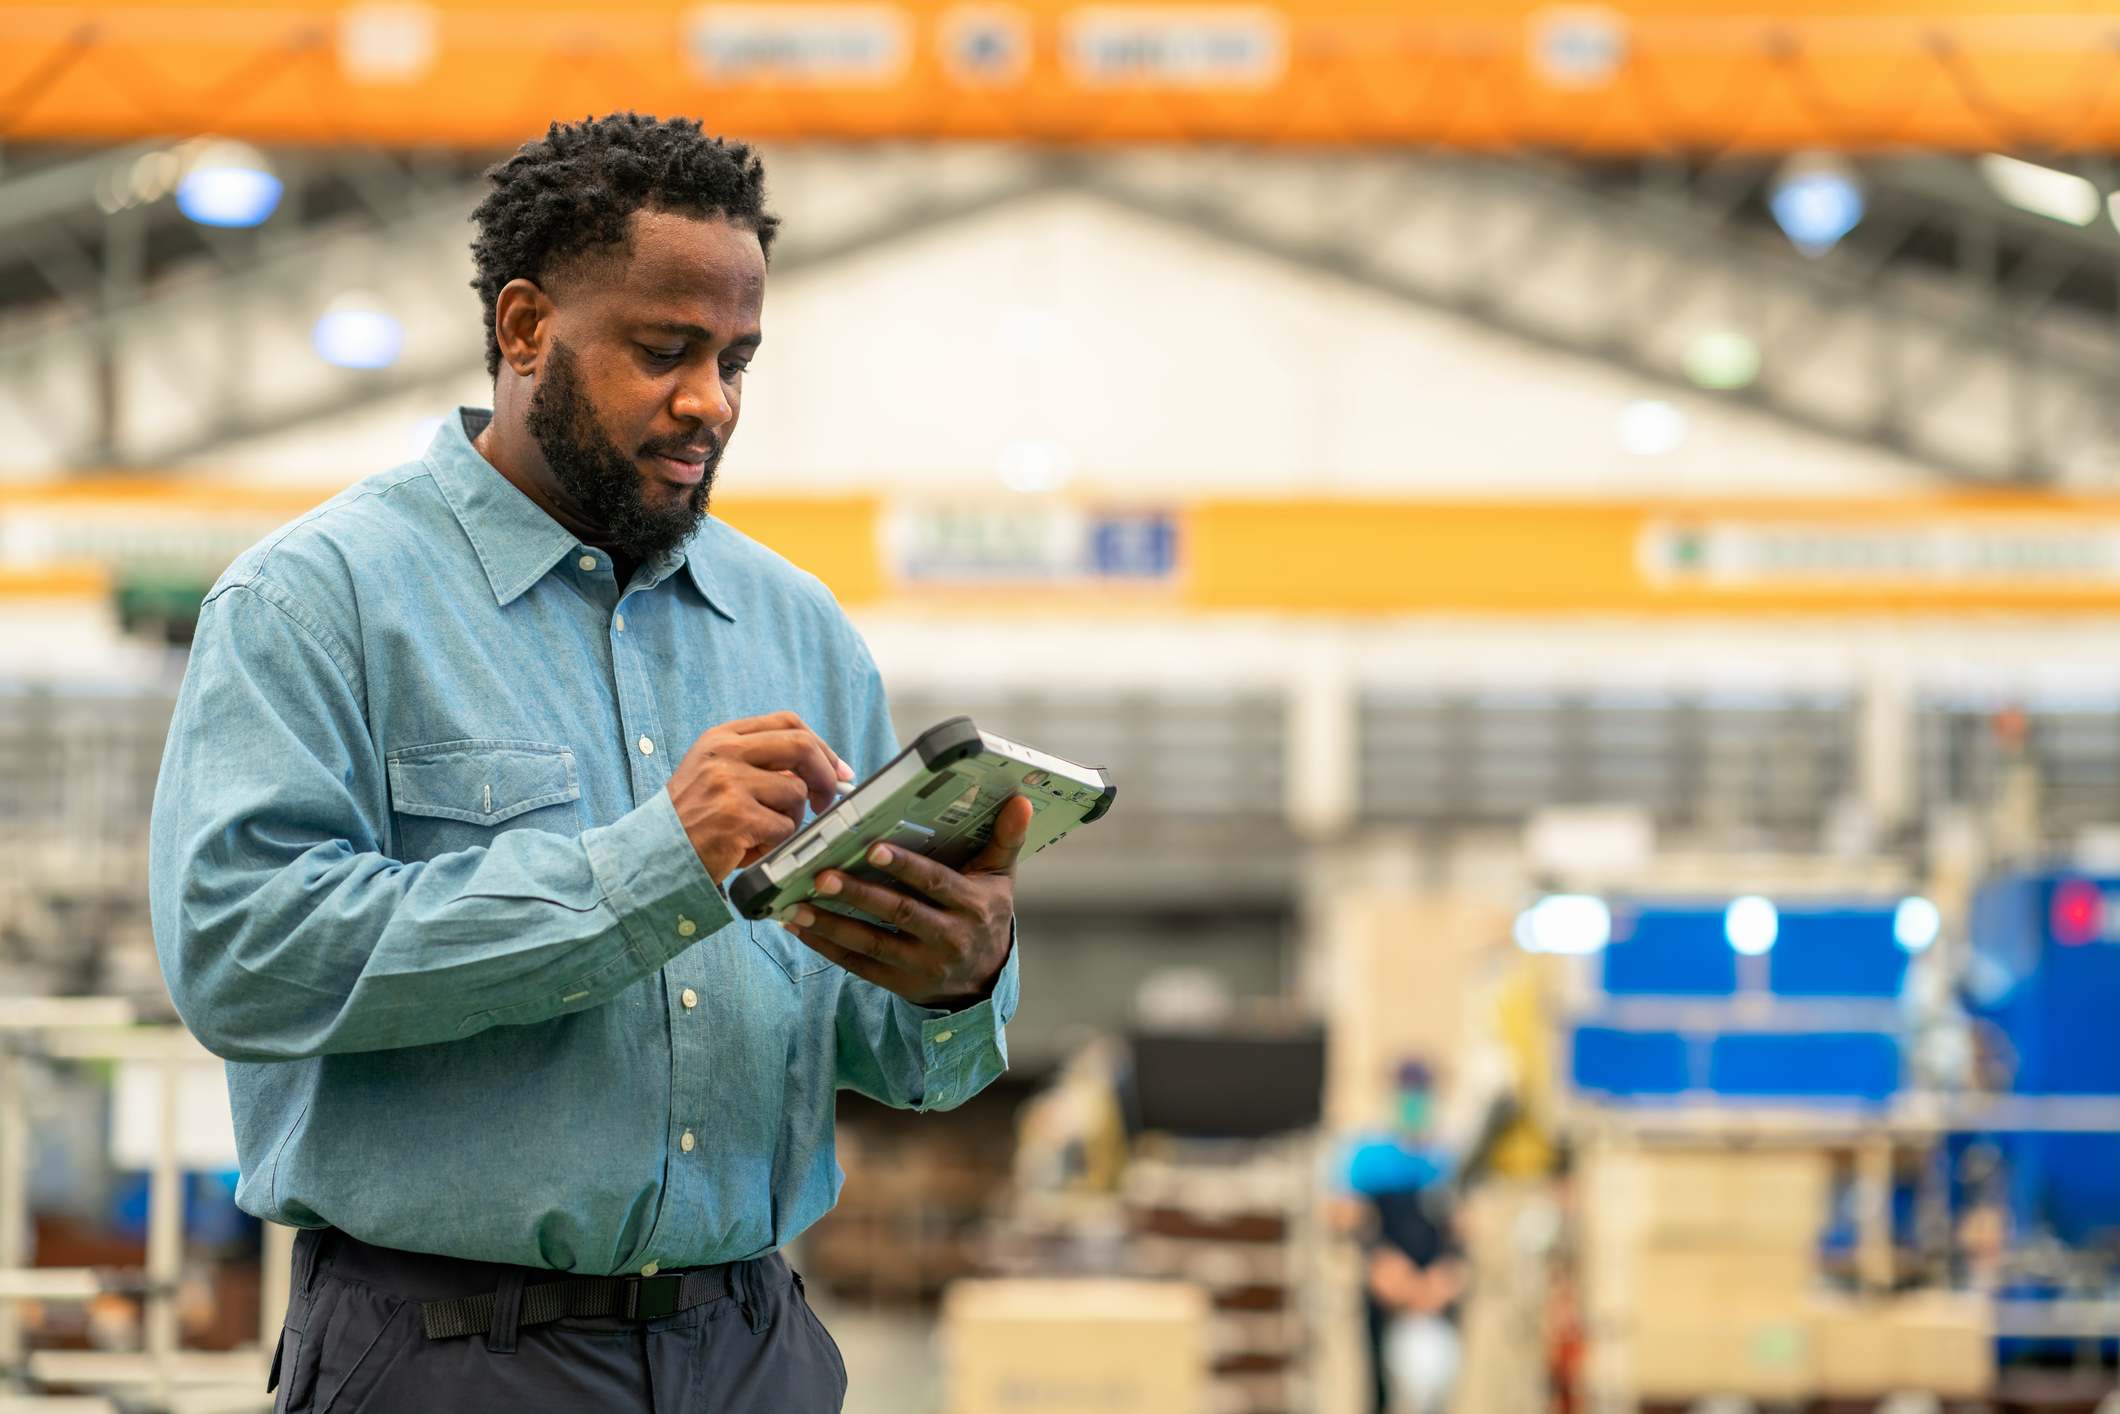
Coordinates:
<point>704,400</point>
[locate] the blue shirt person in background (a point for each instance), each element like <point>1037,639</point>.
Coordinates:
<point>1399,1210</point>
<point>460,766</point>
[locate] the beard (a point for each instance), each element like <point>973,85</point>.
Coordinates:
<point>606,484</point>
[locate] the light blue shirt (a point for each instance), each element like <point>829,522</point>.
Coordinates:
<point>416,877</point>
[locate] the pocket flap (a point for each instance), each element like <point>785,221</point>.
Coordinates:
<point>481,782</point>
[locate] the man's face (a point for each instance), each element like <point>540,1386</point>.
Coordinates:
<point>640,388</point>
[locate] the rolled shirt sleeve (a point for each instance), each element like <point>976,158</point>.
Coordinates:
<point>284,929</point>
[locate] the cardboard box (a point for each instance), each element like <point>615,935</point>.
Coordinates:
<point>1075,1347</point>
<point>1854,1348</point>
<point>1941,1343</point>
<point>1663,1286</point>
<point>1945,1344</point>
<point>1756,1359</point>
<point>1694,1196</point>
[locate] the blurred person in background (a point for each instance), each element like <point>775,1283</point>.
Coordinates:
<point>436,871</point>
<point>1399,1210</point>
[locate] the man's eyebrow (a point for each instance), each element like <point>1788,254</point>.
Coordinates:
<point>704,335</point>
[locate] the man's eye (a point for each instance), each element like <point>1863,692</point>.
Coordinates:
<point>663,355</point>
<point>733,370</point>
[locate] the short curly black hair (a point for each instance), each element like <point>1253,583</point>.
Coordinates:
<point>573,192</point>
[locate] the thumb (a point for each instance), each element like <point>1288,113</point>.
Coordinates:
<point>1011,825</point>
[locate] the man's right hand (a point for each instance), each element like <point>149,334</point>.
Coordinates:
<point>742,787</point>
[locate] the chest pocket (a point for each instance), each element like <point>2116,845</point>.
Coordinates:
<point>787,951</point>
<point>456,794</point>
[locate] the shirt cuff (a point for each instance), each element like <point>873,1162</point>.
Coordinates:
<point>652,878</point>
<point>951,1039</point>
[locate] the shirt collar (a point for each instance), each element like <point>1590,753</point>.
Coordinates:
<point>696,565</point>
<point>517,543</point>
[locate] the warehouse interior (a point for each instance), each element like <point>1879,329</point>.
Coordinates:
<point>1588,538</point>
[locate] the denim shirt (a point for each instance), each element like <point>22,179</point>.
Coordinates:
<point>416,877</point>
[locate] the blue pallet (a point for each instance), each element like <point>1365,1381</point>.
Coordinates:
<point>1668,952</point>
<point>1609,1061</point>
<point>1819,1065</point>
<point>1837,952</point>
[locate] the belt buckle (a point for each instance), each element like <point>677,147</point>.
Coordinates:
<point>650,1297</point>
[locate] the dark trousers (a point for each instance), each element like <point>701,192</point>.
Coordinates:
<point>352,1344</point>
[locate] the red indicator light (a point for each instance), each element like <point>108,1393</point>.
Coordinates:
<point>2079,912</point>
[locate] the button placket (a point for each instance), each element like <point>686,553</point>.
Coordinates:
<point>638,721</point>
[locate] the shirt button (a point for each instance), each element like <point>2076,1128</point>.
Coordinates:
<point>618,621</point>
<point>587,562</point>
<point>686,927</point>
<point>689,997</point>
<point>650,1270</point>
<point>687,1142</point>
<point>942,1038</point>
<point>647,747</point>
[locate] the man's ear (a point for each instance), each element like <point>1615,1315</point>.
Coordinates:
<point>522,325</point>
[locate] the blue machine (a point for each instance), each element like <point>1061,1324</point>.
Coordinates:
<point>1681,1011</point>
<point>2046,977</point>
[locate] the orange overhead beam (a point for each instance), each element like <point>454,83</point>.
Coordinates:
<point>1633,76</point>
<point>1334,558</point>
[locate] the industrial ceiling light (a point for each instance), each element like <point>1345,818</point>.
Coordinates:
<point>1035,466</point>
<point>1916,923</point>
<point>1752,924</point>
<point>1722,360</point>
<point>356,331</point>
<point>1816,201</point>
<point>228,184</point>
<point>2044,191</point>
<point>1571,925</point>
<point>1650,427</point>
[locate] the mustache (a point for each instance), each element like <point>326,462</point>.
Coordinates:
<point>680,448</point>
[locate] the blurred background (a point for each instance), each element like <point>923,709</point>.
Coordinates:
<point>1587,534</point>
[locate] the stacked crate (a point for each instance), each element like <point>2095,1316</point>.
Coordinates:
<point>1698,1263</point>
<point>1234,1220</point>
<point>1931,1342</point>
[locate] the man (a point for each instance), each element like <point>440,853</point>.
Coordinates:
<point>1413,1267</point>
<point>437,872</point>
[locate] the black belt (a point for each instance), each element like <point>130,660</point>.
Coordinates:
<point>635,1298</point>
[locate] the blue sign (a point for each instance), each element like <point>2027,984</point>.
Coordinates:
<point>1134,546</point>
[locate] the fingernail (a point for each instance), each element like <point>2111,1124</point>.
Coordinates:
<point>804,918</point>
<point>881,854</point>
<point>828,883</point>
<point>846,772</point>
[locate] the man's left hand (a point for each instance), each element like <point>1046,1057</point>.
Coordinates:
<point>954,926</point>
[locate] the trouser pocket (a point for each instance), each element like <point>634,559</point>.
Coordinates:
<point>817,1326</point>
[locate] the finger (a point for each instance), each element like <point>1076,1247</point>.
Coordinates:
<point>763,830</point>
<point>818,803</point>
<point>764,722</point>
<point>792,750</point>
<point>782,722</point>
<point>893,907</point>
<point>856,936</point>
<point>1012,825</point>
<point>938,881</point>
<point>867,968</point>
<point>778,791</point>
